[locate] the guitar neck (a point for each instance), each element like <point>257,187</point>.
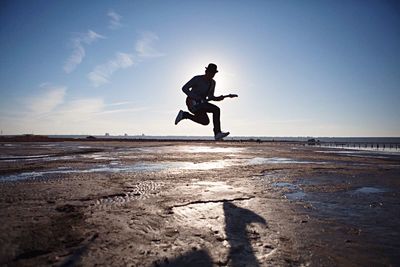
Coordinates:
<point>230,95</point>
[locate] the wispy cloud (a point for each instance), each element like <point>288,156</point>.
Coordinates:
<point>49,111</point>
<point>51,97</point>
<point>78,50</point>
<point>102,73</point>
<point>145,46</point>
<point>123,110</point>
<point>123,103</point>
<point>79,110</point>
<point>115,20</point>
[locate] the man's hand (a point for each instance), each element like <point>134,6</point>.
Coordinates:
<point>219,98</point>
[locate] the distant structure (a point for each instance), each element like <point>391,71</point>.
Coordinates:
<point>126,134</point>
<point>313,142</point>
<point>107,134</point>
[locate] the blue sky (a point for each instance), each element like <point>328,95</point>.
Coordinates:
<point>300,68</point>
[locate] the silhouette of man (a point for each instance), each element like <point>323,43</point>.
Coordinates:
<point>236,220</point>
<point>200,89</point>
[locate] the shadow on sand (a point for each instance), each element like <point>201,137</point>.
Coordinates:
<point>240,252</point>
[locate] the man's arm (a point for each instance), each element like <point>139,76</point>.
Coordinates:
<point>211,95</point>
<point>187,89</point>
<point>216,98</point>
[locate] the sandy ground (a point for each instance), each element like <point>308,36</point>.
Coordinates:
<point>197,204</point>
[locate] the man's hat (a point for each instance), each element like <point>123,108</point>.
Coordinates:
<point>212,68</point>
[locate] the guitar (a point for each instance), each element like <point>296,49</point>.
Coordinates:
<point>192,103</point>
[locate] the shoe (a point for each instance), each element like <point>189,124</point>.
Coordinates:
<point>220,135</point>
<point>179,117</point>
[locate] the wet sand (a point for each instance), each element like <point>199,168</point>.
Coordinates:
<point>197,204</point>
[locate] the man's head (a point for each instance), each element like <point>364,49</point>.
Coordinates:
<point>211,70</point>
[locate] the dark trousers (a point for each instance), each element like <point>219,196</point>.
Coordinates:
<point>200,115</point>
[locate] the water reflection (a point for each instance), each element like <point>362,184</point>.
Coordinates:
<point>171,166</point>
<point>275,160</point>
<point>369,190</point>
<point>286,185</point>
<point>117,167</point>
<point>295,195</point>
<point>209,149</point>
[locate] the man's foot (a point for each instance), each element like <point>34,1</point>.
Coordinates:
<point>220,135</point>
<point>179,117</point>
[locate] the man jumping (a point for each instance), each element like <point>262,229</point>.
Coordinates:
<point>199,90</point>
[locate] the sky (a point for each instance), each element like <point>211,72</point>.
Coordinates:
<point>300,68</point>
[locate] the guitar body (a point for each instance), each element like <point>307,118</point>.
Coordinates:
<point>192,103</point>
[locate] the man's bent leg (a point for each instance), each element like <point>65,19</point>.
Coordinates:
<point>207,107</point>
<point>199,117</point>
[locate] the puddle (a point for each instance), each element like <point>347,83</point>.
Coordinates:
<point>285,185</point>
<point>362,153</point>
<point>295,195</point>
<point>48,145</point>
<point>16,158</point>
<point>115,167</point>
<point>99,156</point>
<point>21,176</point>
<point>218,164</point>
<point>9,145</point>
<point>64,168</point>
<point>369,190</point>
<point>353,153</point>
<point>274,174</point>
<point>209,149</point>
<point>40,174</point>
<point>187,149</point>
<point>172,166</point>
<point>362,206</point>
<point>84,147</point>
<point>37,158</point>
<point>259,160</point>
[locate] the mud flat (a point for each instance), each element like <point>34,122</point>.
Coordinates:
<point>197,204</point>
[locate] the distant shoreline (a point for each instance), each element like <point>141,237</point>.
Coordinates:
<point>90,138</point>
<point>338,141</point>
